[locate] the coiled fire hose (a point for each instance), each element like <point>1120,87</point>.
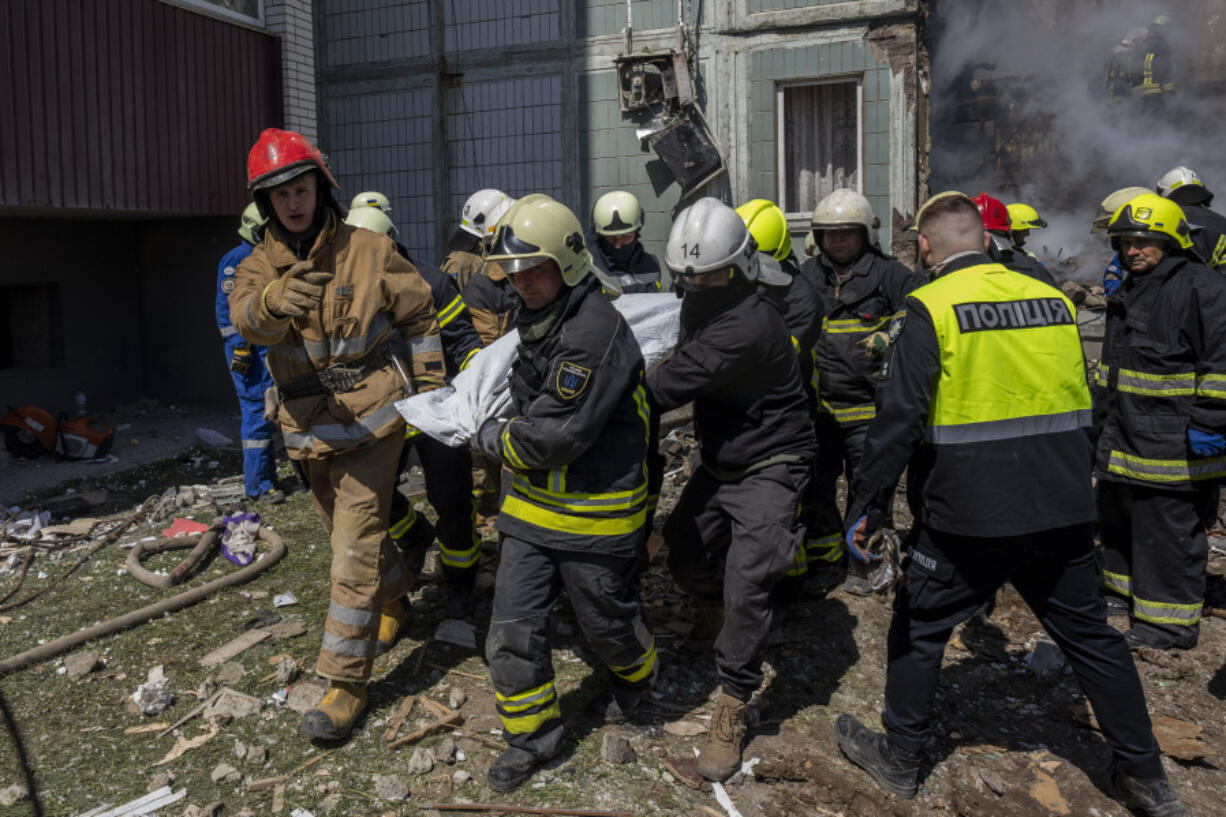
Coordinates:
<point>888,545</point>
<point>201,544</point>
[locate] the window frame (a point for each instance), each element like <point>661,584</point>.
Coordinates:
<point>781,86</point>
<point>215,10</point>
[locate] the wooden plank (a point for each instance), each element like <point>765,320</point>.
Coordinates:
<point>393,726</point>
<point>227,651</point>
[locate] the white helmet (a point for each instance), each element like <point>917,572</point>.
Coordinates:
<point>1185,179</point>
<point>371,198</point>
<point>482,211</point>
<point>846,208</point>
<point>535,229</point>
<point>709,235</point>
<point>617,213</point>
<point>373,219</point>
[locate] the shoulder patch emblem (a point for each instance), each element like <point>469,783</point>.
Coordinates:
<point>572,380</point>
<point>896,326</point>
<point>228,271</point>
<point>227,286</point>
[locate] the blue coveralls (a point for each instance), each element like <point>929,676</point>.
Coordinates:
<point>259,456</point>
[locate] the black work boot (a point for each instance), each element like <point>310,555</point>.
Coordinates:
<point>859,577</point>
<point>824,576</point>
<point>512,769</point>
<point>1152,797</point>
<point>871,751</point>
<point>1143,635</point>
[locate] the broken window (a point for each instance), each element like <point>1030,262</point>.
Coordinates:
<point>818,134</point>
<point>31,327</point>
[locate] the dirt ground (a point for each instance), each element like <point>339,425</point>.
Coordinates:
<point>1008,741</point>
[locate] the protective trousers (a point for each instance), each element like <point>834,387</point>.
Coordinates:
<point>605,599</point>
<point>352,493</point>
<point>730,543</point>
<point>487,487</point>
<point>448,473</point>
<point>949,577</point>
<point>838,453</point>
<point>259,455</point>
<point>1155,552</point>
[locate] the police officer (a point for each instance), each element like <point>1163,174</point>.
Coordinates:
<point>999,225</point>
<point>1182,186</point>
<point>1113,275</point>
<point>574,518</point>
<point>862,289</point>
<point>1160,402</point>
<point>802,308</point>
<point>448,471</point>
<point>325,298</point>
<point>985,401</point>
<point>736,528</point>
<point>251,378</point>
<point>1022,219</point>
<point>467,245</point>
<point>617,220</point>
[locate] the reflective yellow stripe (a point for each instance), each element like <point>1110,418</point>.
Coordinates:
<point>583,503</point>
<point>848,326</point>
<point>1161,612</point>
<point>557,479</point>
<point>1219,253</point>
<point>1211,385</point>
<point>508,450</point>
<point>828,548</point>
<point>468,359</point>
<point>451,311</point>
<point>1155,385</point>
<point>566,523</point>
<point>1118,582</point>
<point>800,562</point>
<point>528,698</point>
<point>1101,374</point>
<point>851,414</point>
<point>401,528</point>
<point>410,432</point>
<point>525,722</point>
<point>1151,470</point>
<point>459,558</point>
<point>641,668</point>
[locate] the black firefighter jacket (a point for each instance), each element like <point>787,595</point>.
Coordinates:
<point>1163,371</point>
<point>873,292</point>
<point>577,440</point>
<point>735,360</point>
<point>632,267</point>
<point>455,322</point>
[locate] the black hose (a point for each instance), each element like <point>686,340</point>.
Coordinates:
<point>24,761</point>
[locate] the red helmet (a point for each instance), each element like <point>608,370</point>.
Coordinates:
<point>280,155</point>
<point>994,213</point>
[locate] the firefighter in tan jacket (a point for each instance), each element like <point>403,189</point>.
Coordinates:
<point>326,298</point>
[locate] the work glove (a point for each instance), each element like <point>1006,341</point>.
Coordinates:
<point>857,540</point>
<point>240,359</point>
<point>874,345</point>
<point>488,440</point>
<point>296,292</point>
<point>1206,443</point>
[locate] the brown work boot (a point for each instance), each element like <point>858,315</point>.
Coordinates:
<point>720,756</point>
<point>334,716</point>
<point>391,619</point>
<point>708,622</point>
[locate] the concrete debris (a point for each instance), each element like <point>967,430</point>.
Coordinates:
<point>80,664</point>
<point>230,672</point>
<point>240,749</point>
<point>331,803</point>
<point>445,752</point>
<point>286,599</point>
<point>287,671</point>
<point>422,761</point>
<point>456,698</point>
<point>390,787</point>
<point>160,780</point>
<point>152,696</point>
<point>461,777</point>
<point>1180,739</point>
<point>614,748</point>
<point>225,773</point>
<point>1085,294</point>
<point>300,812</point>
<point>231,703</point>
<point>14,794</point>
<point>305,696</point>
<point>257,754</point>
<point>1045,660</point>
<point>992,780</point>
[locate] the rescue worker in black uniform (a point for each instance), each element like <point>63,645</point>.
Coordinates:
<point>734,533</point>
<point>1141,73</point>
<point>574,518</point>
<point>862,289</point>
<point>466,247</point>
<point>1160,404</point>
<point>1182,186</point>
<point>999,226</point>
<point>617,221</point>
<point>447,470</point>
<point>984,398</point>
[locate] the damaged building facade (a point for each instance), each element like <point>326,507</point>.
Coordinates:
<point>780,99</point>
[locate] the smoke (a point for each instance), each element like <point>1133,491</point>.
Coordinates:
<point>1020,109</point>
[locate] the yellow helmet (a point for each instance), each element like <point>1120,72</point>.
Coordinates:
<point>1114,202</point>
<point>1024,217</point>
<point>371,217</point>
<point>536,228</point>
<point>251,224</point>
<point>768,226</point>
<point>1151,216</point>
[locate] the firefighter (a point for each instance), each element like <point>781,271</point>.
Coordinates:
<point>802,308</point>
<point>1022,219</point>
<point>1113,275</point>
<point>371,198</point>
<point>247,370</point>
<point>617,220</point>
<point>448,471</point>
<point>326,298</point>
<point>984,400</point>
<point>574,516</point>
<point>736,528</point>
<point>1141,69</point>
<point>467,245</point>
<point>863,288</point>
<point>999,240</point>
<point>1160,407</point>
<point>1182,186</point>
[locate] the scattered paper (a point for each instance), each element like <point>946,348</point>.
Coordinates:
<point>286,599</point>
<point>183,745</point>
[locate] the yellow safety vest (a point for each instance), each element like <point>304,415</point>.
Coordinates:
<point>1011,359</point>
